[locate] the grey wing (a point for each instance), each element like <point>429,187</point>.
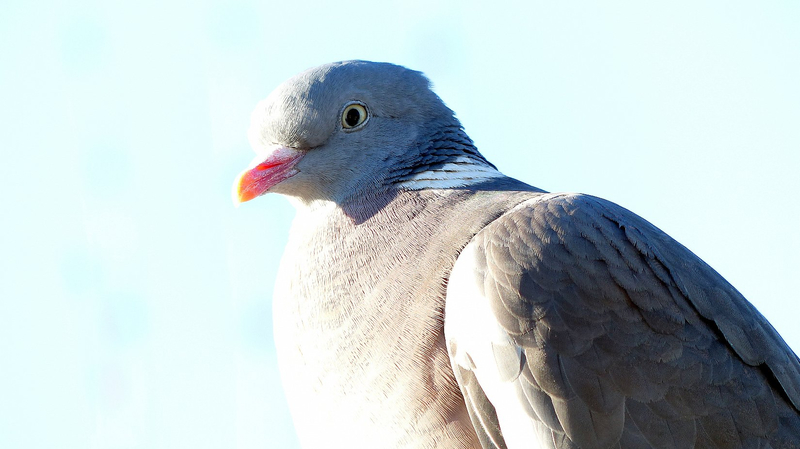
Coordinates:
<point>572,322</point>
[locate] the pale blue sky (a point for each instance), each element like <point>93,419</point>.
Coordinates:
<point>135,300</point>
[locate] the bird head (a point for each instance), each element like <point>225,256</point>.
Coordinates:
<point>339,129</point>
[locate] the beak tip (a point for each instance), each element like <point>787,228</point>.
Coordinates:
<point>236,192</point>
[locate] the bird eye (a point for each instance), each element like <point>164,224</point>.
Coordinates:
<point>353,115</point>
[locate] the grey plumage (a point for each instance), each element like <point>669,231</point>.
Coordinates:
<point>426,300</point>
<point>624,328</point>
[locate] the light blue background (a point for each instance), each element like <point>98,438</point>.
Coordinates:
<point>135,300</point>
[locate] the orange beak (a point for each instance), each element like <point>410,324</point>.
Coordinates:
<point>262,176</point>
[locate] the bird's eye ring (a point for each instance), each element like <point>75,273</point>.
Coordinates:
<point>354,115</point>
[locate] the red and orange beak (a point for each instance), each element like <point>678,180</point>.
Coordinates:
<point>262,175</point>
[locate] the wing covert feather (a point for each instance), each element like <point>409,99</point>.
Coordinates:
<point>624,336</point>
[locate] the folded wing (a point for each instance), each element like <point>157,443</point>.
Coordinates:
<point>572,322</point>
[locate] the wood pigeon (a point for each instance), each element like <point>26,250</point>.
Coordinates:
<point>426,300</point>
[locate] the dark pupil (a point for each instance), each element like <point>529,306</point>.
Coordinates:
<point>352,117</point>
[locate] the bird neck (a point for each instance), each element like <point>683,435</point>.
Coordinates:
<point>447,158</point>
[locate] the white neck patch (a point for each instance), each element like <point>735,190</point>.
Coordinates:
<point>459,173</point>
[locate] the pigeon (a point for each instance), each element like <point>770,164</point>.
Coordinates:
<point>426,300</point>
